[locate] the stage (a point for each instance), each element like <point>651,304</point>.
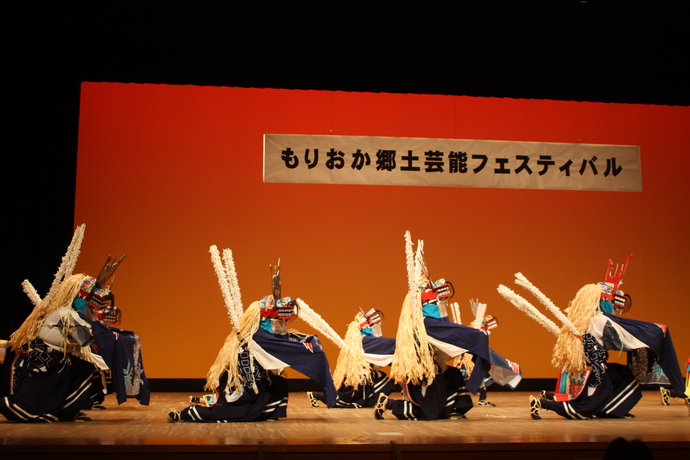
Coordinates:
<point>504,431</point>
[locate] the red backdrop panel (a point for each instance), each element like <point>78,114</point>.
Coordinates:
<point>166,171</point>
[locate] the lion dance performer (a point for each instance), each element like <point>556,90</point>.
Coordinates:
<point>425,340</point>
<point>589,386</point>
<point>358,375</point>
<point>246,378</point>
<point>67,345</point>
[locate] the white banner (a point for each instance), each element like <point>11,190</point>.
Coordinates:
<point>324,159</point>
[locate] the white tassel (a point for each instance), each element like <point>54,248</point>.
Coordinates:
<point>234,285</point>
<point>455,310</point>
<point>409,256</point>
<point>521,280</point>
<point>479,310</point>
<point>30,291</point>
<point>221,273</point>
<point>417,317</point>
<point>69,260</point>
<point>419,265</point>
<point>528,309</point>
<point>317,322</point>
<point>74,250</point>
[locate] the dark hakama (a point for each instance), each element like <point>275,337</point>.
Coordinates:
<point>270,402</point>
<point>378,351</point>
<point>656,337</point>
<point>455,339</point>
<point>364,395</point>
<point>446,396</point>
<point>302,353</point>
<point>49,386</point>
<point>121,351</point>
<point>614,397</point>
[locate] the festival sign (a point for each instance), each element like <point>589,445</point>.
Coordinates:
<point>327,159</point>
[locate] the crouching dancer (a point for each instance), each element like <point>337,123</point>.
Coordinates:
<point>246,376</point>
<point>243,390</point>
<point>425,340</point>
<point>358,373</point>
<point>589,386</point>
<point>56,372</point>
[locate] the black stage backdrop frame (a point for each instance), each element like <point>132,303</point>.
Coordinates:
<point>598,51</point>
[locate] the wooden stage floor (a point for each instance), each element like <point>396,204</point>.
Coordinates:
<point>505,431</point>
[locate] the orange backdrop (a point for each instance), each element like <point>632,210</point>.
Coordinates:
<point>166,171</point>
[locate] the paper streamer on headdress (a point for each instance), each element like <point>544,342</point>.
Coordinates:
<point>420,271</point>
<point>30,291</point>
<point>418,281</point>
<point>235,294</point>
<point>465,358</point>
<point>527,308</point>
<point>479,310</point>
<point>409,257</point>
<point>317,322</point>
<point>229,287</point>
<point>521,280</point>
<point>69,260</point>
<point>455,310</point>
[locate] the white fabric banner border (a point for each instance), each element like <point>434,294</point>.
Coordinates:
<point>327,159</point>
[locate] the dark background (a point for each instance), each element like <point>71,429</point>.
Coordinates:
<point>600,51</point>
